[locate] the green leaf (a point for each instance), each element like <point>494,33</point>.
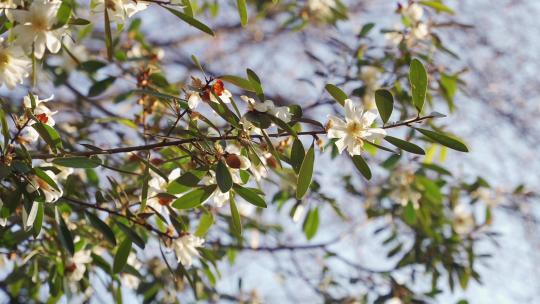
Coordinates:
<point>311,223</point>
<point>206,221</point>
<point>305,174</point>
<point>63,14</point>
<point>194,198</point>
<point>108,35</point>
<point>223,177</point>
<point>191,21</point>
<point>405,145</point>
<point>102,227</point>
<point>409,214</point>
<point>78,162</point>
<point>185,182</point>
<point>38,222</point>
<point>362,166</point>
<point>440,7</point>
<point>42,175</point>
<point>444,140</point>
<point>242,11</point>
<point>260,120</point>
<point>256,83</point>
<point>5,126</point>
<point>49,135</point>
<point>337,93</point>
<point>132,235</point>
<point>145,186</point>
<point>419,82</point>
<point>235,215</point>
<point>297,155</point>
<point>250,196</point>
<point>92,66</point>
<point>385,103</point>
<point>66,239</point>
<point>101,86</point>
<point>238,81</point>
<point>120,259</point>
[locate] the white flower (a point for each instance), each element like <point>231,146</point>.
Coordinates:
<point>14,65</point>
<point>185,248</point>
<point>420,32</point>
<point>352,132</point>
<point>320,9</point>
<point>51,194</point>
<point>394,300</point>
<point>403,192</point>
<point>395,36</point>
<point>269,107</point>
<point>120,10</point>
<point>75,267</point>
<point>463,220</point>
<point>41,112</point>
<point>3,221</point>
<point>413,12</point>
<point>129,280</point>
<point>158,185</point>
<point>36,27</point>
<point>7,7</point>
<point>234,159</point>
<point>490,197</point>
<point>194,98</point>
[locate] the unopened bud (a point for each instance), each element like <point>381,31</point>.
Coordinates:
<point>233,161</point>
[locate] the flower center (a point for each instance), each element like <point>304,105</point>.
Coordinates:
<point>4,60</point>
<point>40,24</point>
<point>354,127</point>
<point>42,118</point>
<point>164,201</point>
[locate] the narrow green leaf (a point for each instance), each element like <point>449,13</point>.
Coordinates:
<point>194,198</point>
<point>120,259</point>
<point>108,36</point>
<point>405,145</point>
<point>362,166</point>
<point>438,6</point>
<point>63,14</point>
<point>337,93</point>
<point>238,81</point>
<point>250,196</point>
<point>256,84</point>
<point>419,82</point>
<point>191,21</point>
<point>385,103</point>
<point>311,223</point>
<point>102,227</point>
<point>242,11</point>
<point>49,135</point>
<point>444,140</point>
<point>132,235</point>
<point>235,215</point>
<point>145,186</point>
<point>305,175</point>
<point>101,86</point>
<point>297,155</point>
<point>206,221</point>
<point>409,214</point>
<point>78,162</point>
<point>66,239</point>
<point>223,177</point>
<point>38,222</point>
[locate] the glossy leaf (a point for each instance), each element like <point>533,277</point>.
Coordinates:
<point>191,21</point>
<point>122,254</point>
<point>336,93</point>
<point>419,82</point>
<point>78,162</point>
<point>385,103</point>
<point>311,223</point>
<point>223,177</point>
<point>444,140</point>
<point>305,175</point>
<point>250,196</point>
<point>102,227</point>
<point>194,198</point>
<point>242,11</point>
<point>362,166</point>
<point>405,145</point>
